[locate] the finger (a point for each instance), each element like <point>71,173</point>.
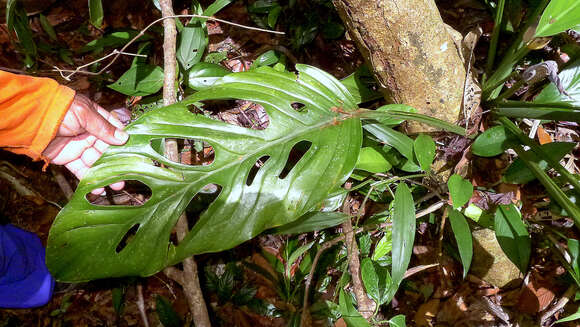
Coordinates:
<point>73,148</point>
<point>110,118</point>
<point>90,156</point>
<point>99,191</point>
<point>78,168</point>
<point>100,146</point>
<point>117,186</point>
<point>100,127</point>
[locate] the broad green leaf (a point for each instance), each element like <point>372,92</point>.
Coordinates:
<point>557,209</point>
<point>512,235</point>
<point>572,317</point>
<point>519,173</point>
<point>376,280</point>
<point>203,75</point>
<point>360,84</point>
<point>167,315</point>
<point>574,250</point>
<point>559,16</point>
<point>384,246</point>
<point>570,79</point>
<point>313,221</point>
<point>114,39</point>
<point>83,240</point>
<point>462,234</point>
<point>403,236</point>
<point>139,80</point>
<point>349,313</point>
<point>47,27</point>
<point>96,14</point>
<point>460,190</point>
<point>425,148</point>
<point>192,43</point>
<point>215,7</point>
<point>372,160</point>
<point>491,143</point>
<point>397,321</point>
<point>273,16</point>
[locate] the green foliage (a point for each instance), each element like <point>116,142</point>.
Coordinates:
<point>313,221</point>
<point>384,246</point>
<point>203,75</point>
<point>460,190</point>
<point>572,317</point>
<point>462,234</point>
<point>372,160</point>
<point>425,148</point>
<point>570,79</point>
<point>113,39</point>
<point>492,142</point>
<point>512,235</point>
<point>85,248</point>
<point>377,281</point>
<point>403,236</point>
<point>519,173</point>
<point>139,80</point>
<point>167,315</point>
<point>96,14</point>
<point>559,16</point>
<point>397,321</point>
<point>349,313</point>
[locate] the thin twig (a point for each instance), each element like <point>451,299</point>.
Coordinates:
<point>116,53</point>
<point>559,305</point>
<point>141,305</point>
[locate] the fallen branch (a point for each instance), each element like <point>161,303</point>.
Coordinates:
<point>116,53</point>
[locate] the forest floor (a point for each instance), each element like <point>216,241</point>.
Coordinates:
<point>431,297</point>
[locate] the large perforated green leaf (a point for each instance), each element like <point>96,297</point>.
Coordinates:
<point>83,240</point>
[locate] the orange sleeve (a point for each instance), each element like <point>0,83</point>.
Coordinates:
<point>31,110</point>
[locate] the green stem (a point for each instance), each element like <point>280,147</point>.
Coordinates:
<point>509,92</point>
<point>495,36</point>
<point>435,122</point>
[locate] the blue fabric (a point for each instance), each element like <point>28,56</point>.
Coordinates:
<point>24,279</point>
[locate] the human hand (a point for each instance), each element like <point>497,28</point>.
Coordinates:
<point>84,134</point>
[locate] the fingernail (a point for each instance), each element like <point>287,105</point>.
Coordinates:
<point>122,136</point>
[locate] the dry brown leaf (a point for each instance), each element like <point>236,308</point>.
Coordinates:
<point>543,136</point>
<point>426,312</point>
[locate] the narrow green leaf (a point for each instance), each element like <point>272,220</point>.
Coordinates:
<point>425,148</point>
<point>118,295</point>
<point>397,321</point>
<point>312,221</point>
<point>389,108</point>
<point>460,190</point>
<point>203,75</point>
<point>519,173</point>
<point>47,27</point>
<point>349,313</point>
<point>572,317</point>
<point>390,137</point>
<point>267,58</point>
<point>372,160</point>
<point>491,143</point>
<point>403,236</point>
<point>10,12</point>
<point>295,255</point>
<point>215,7</point>
<point>435,122</point>
<point>544,111</point>
<point>139,80</point>
<point>114,39</point>
<point>167,315</point>
<point>273,16</point>
<point>512,235</point>
<point>559,16</point>
<point>462,234</point>
<point>24,33</point>
<point>574,250</point>
<point>96,14</point>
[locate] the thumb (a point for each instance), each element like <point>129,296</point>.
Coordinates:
<point>104,130</point>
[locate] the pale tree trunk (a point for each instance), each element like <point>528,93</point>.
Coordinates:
<point>413,57</point>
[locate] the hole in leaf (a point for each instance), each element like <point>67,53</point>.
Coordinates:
<point>198,205</point>
<point>135,193</point>
<point>238,112</point>
<point>255,168</point>
<point>128,237</point>
<point>298,106</point>
<point>191,152</point>
<point>298,151</point>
